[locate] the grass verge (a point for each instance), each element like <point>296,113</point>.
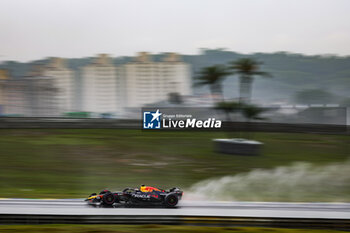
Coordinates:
<point>66,163</point>
<point>144,228</point>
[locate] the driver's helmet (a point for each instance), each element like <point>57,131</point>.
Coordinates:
<point>144,188</point>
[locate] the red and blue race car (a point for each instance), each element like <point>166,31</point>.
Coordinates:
<point>144,196</point>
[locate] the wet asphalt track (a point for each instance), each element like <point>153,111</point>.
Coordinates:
<point>185,208</point>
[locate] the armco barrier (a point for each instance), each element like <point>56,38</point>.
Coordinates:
<point>92,123</point>
<point>304,223</point>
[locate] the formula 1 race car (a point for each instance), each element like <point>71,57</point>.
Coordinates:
<point>145,196</point>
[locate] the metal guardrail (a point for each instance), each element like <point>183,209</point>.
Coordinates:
<point>68,123</point>
<point>285,127</point>
<point>93,123</point>
<point>304,223</point>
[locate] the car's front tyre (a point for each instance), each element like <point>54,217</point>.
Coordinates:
<point>171,200</point>
<point>108,199</point>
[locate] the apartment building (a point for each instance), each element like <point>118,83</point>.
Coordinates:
<point>99,86</point>
<point>63,80</point>
<point>3,77</point>
<point>147,81</point>
<point>32,96</point>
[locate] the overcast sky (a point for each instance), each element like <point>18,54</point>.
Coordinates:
<point>34,29</point>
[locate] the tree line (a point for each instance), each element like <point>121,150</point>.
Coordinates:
<point>246,69</point>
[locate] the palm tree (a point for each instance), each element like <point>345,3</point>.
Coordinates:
<point>246,68</point>
<point>228,108</point>
<point>213,76</point>
<point>251,112</point>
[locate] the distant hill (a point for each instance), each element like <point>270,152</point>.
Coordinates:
<point>291,72</point>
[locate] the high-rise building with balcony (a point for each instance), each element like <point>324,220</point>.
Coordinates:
<point>3,77</point>
<point>147,81</point>
<point>63,81</point>
<point>99,86</point>
<point>32,96</point>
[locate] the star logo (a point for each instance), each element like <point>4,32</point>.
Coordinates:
<point>152,120</point>
<point>156,115</point>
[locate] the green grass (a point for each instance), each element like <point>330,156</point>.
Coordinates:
<point>145,228</point>
<point>55,163</point>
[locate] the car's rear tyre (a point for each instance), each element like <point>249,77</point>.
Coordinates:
<point>171,200</point>
<point>109,199</point>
